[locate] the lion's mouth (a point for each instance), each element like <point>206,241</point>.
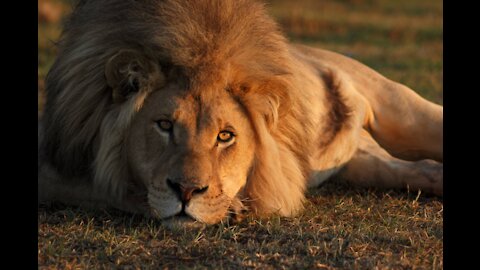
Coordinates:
<point>183,219</point>
<point>180,215</point>
<point>234,213</point>
<point>183,215</point>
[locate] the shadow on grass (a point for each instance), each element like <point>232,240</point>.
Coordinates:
<point>341,226</point>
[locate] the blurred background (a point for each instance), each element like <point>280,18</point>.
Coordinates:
<point>402,39</point>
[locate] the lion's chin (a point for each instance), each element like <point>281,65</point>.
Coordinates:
<point>182,221</point>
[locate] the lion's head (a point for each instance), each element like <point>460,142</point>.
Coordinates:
<point>187,102</point>
<point>193,150</point>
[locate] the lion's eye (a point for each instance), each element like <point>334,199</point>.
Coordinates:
<point>225,136</point>
<point>165,125</point>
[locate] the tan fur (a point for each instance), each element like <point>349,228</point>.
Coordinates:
<point>299,115</point>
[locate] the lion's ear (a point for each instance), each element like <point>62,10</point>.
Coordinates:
<point>271,98</point>
<point>128,72</point>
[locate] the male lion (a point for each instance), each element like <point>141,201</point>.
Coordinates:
<point>197,110</point>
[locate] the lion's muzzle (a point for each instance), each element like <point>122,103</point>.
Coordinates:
<point>185,192</point>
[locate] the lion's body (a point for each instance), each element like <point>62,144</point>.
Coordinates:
<point>205,109</point>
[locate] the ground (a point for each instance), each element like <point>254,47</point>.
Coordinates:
<point>341,227</point>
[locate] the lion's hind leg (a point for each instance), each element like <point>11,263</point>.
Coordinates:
<point>373,166</point>
<point>404,123</point>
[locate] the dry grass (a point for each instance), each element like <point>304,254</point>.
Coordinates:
<point>341,228</point>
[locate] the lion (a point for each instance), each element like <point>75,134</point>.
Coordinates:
<point>199,111</point>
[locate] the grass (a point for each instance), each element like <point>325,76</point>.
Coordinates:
<point>341,228</point>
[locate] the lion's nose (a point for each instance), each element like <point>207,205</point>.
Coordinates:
<point>185,192</point>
